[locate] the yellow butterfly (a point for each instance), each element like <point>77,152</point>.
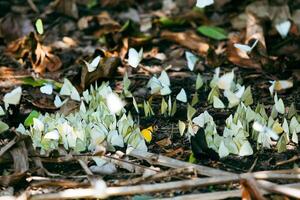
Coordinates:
<point>147,132</point>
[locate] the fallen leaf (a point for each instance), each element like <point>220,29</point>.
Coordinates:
<point>188,39</point>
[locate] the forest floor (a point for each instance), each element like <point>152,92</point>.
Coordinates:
<point>75,31</point>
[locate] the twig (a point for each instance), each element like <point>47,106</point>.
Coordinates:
<point>33,6</point>
<point>8,146</point>
<point>285,190</point>
<point>159,176</point>
<point>208,196</point>
<point>253,165</point>
<point>173,163</point>
<point>251,188</point>
<point>139,189</point>
<point>219,195</point>
<point>85,167</point>
<point>293,159</point>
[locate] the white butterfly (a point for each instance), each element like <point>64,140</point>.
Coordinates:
<point>265,134</point>
<point>134,57</point>
<point>69,90</point>
<point>234,98</point>
<point>93,65</point>
<point>283,28</point>
<point>52,135</point>
<point>244,47</point>
<point>191,60</point>
<point>160,85</point>
<point>47,88</point>
<point>280,85</point>
<point>223,150</point>
<point>218,103</point>
<point>226,81</point>
<point>204,3</point>
<point>246,149</point>
<point>58,103</point>
<point>279,105</point>
<point>114,103</point>
<point>13,97</point>
<point>1,111</point>
<point>181,96</point>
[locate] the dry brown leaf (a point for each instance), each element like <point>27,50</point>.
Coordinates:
<point>39,55</point>
<point>188,39</point>
<point>44,59</point>
<point>164,142</point>
<point>102,23</point>
<point>106,69</point>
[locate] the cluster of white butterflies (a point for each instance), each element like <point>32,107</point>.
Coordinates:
<point>235,93</point>
<point>102,120</point>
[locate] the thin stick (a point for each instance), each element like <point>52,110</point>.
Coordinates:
<point>33,6</point>
<point>8,146</point>
<point>173,163</point>
<point>159,176</point>
<point>139,189</point>
<point>220,194</point>
<point>281,189</point>
<point>251,188</point>
<point>85,167</point>
<point>293,159</point>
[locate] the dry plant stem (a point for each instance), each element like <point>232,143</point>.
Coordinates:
<point>281,189</point>
<point>158,176</point>
<point>33,6</point>
<point>220,194</point>
<point>85,167</point>
<point>253,165</point>
<point>293,159</point>
<point>139,189</point>
<point>169,162</point>
<point>250,186</point>
<point>8,146</point>
<point>208,196</point>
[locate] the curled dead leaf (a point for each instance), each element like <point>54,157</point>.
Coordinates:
<point>40,56</point>
<point>188,39</point>
<point>106,68</point>
<point>44,59</point>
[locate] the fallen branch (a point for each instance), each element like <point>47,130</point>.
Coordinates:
<point>156,159</point>
<point>139,189</point>
<point>159,176</point>
<point>281,189</point>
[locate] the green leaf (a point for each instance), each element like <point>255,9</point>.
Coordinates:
<point>3,127</point>
<point>39,82</point>
<point>39,26</point>
<point>29,120</point>
<point>192,158</point>
<point>166,21</point>
<point>213,32</point>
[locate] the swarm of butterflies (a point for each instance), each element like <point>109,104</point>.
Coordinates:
<point>102,115</point>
